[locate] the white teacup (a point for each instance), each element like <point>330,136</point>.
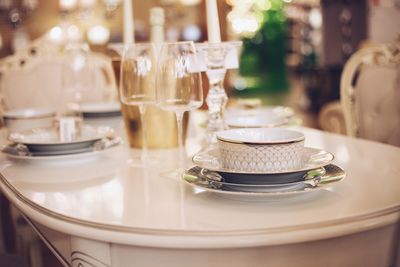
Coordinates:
<point>260,149</point>
<point>18,120</point>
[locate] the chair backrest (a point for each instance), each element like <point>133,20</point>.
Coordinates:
<point>331,118</point>
<point>370,94</point>
<point>33,78</point>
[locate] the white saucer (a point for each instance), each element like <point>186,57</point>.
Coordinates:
<point>45,140</point>
<point>312,158</point>
<point>68,155</point>
<point>333,174</point>
<point>310,179</point>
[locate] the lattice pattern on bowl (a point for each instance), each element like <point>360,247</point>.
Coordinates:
<point>246,157</point>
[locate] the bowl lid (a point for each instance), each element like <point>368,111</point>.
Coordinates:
<point>260,136</point>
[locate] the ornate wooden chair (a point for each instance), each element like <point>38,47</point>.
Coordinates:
<point>331,118</point>
<point>370,94</point>
<point>33,77</point>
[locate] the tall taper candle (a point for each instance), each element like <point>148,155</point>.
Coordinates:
<point>214,34</point>
<point>129,28</point>
<point>157,20</point>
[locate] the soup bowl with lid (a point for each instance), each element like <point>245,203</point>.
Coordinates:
<point>260,149</point>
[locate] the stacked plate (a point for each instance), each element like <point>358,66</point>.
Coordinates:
<point>100,109</point>
<point>23,119</point>
<point>45,142</point>
<point>258,117</point>
<point>262,162</point>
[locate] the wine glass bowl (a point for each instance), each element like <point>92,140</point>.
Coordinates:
<point>138,75</point>
<point>78,76</point>
<point>178,83</point>
<point>137,86</point>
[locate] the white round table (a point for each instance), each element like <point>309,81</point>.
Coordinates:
<point>100,210</point>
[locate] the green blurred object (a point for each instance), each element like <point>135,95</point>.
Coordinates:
<point>262,62</point>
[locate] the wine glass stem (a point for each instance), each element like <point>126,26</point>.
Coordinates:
<point>142,111</point>
<point>179,118</point>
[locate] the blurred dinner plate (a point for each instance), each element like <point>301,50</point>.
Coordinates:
<point>43,157</point>
<point>275,111</point>
<point>100,110</point>
<point>23,119</point>
<point>311,158</point>
<point>309,179</point>
<point>197,179</point>
<point>46,140</point>
<point>256,121</point>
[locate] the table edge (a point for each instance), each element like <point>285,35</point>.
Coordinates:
<point>198,239</point>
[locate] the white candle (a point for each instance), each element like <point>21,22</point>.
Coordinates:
<point>128,23</point>
<point>214,34</point>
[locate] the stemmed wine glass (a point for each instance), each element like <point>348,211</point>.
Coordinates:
<point>137,86</point>
<point>178,83</point>
<point>78,77</point>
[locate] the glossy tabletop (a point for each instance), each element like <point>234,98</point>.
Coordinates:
<point>102,197</point>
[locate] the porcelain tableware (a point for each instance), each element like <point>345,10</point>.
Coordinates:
<point>23,119</point>
<point>21,152</point>
<point>46,140</point>
<point>100,109</point>
<point>260,149</point>
<point>332,175</point>
<point>310,178</point>
<point>311,158</point>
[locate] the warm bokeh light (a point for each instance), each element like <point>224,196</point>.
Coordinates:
<point>315,18</point>
<point>87,3</point>
<point>112,2</point>
<point>62,33</point>
<point>192,33</point>
<point>98,35</point>
<point>246,17</point>
<point>56,35</point>
<point>245,24</point>
<point>68,5</point>
<point>263,4</point>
